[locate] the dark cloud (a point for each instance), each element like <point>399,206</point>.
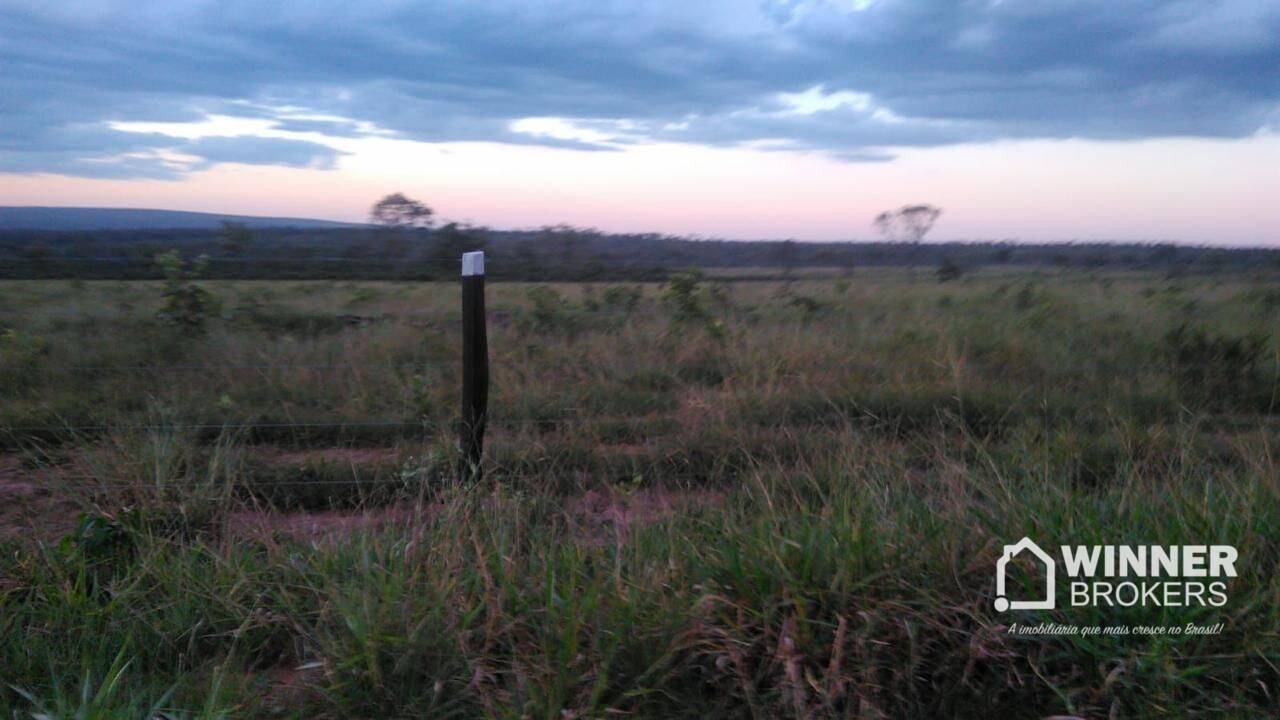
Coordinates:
<point>893,73</point>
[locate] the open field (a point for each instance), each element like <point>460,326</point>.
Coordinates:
<point>745,499</point>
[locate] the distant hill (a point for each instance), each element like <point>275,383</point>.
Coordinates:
<point>83,218</point>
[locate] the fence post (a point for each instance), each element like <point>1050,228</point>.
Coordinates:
<point>475,364</point>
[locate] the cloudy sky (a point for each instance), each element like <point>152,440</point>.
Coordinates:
<point>1035,119</point>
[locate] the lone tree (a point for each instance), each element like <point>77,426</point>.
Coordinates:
<point>908,223</point>
<point>399,212</point>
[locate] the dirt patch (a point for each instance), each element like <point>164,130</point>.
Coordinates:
<point>624,449</point>
<point>701,406</point>
<point>319,526</point>
<point>329,456</point>
<point>612,511</point>
<point>28,508</point>
<point>286,688</point>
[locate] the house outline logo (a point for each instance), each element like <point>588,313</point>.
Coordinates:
<point>1003,603</point>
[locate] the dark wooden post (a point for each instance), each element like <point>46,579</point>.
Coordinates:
<point>475,364</point>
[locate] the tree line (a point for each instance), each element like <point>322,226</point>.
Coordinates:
<point>403,241</point>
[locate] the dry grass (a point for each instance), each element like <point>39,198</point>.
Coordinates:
<point>788,505</point>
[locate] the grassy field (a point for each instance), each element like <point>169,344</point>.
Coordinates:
<point>701,499</point>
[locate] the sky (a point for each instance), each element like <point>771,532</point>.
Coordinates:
<point>1021,119</point>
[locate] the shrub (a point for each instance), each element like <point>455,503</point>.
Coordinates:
<point>685,297</point>
<point>547,311</point>
<point>186,304</point>
<point>949,270</point>
<point>621,298</point>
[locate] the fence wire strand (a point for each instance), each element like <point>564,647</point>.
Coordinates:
<point>150,262</point>
<point>214,368</point>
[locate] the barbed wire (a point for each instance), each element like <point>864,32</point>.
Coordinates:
<point>212,426</point>
<point>402,424</point>
<point>579,416</point>
<point>264,366</point>
<point>150,261</point>
<point>248,485</point>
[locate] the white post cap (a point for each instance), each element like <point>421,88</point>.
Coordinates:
<point>473,263</point>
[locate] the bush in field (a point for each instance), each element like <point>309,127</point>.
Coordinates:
<point>621,298</point>
<point>186,304</point>
<point>1026,297</point>
<point>1215,368</point>
<point>1262,300</point>
<point>547,311</point>
<point>685,297</point>
<point>362,296</point>
<point>20,348</point>
<point>421,398</point>
<point>809,307</point>
<point>949,270</point>
<point>589,301</point>
<point>20,354</point>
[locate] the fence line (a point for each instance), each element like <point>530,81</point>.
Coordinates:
<point>474,413</point>
<point>406,365</point>
<point>215,426</point>
<point>301,366</point>
<point>151,261</point>
<point>498,421</point>
<point>252,485</point>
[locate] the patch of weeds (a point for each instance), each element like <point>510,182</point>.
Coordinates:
<point>106,699</point>
<point>621,298</point>
<point>809,307</point>
<point>21,349</point>
<point>325,480</point>
<point>420,393</point>
<point>1262,300</point>
<point>362,296</point>
<point>102,546</point>
<point>21,356</point>
<point>1027,296</point>
<point>548,311</point>
<point>1213,368</point>
<point>1173,298</point>
<point>1037,305</point>
<point>706,368</point>
<point>277,321</point>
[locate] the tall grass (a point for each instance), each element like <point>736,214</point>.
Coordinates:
<point>795,516</point>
